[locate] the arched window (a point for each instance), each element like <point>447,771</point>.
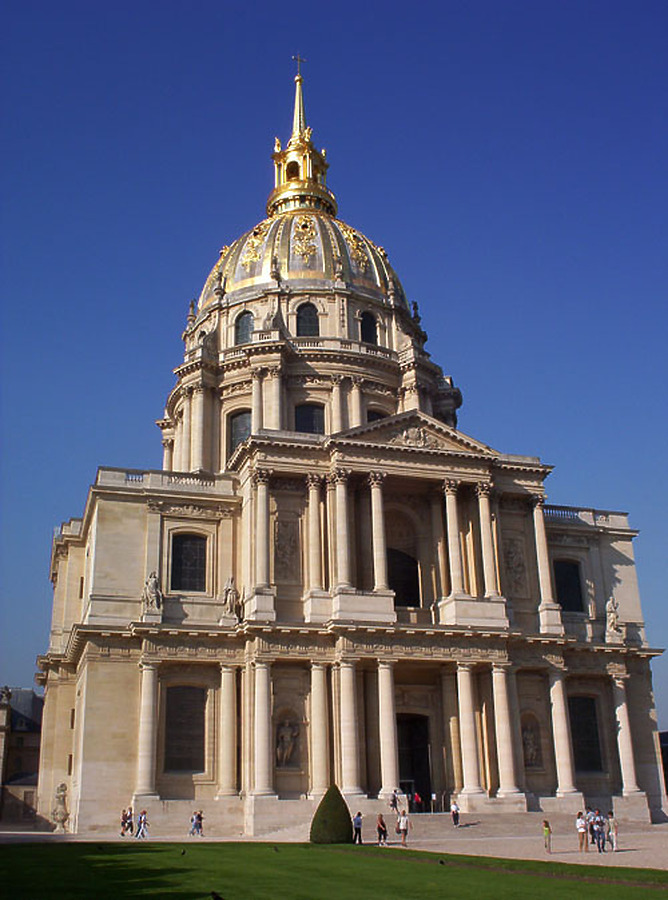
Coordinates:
<point>307,321</point>
<point>402,574</point>
<point>310,418</point>
<point>239,429</point>
<point>368,328</point>
<point>568,585</point>
<point>243,328</point>
<point>584,734</point>
<point>184,729</point>
<point>188,562</point>
<point>372,415</point>
<point>292,170</point>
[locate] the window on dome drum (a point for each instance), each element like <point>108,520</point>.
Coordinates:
<point>292,170</point>
<point>188,562</point>
<point>372,415</point>
<point>184,729</point>
<point>239,428</point>
<point>568,585</point>
<point>307,321</point>
<point>310,418</point>
<point>402,575</point>
<point>368,329</point>
<point>243,328</point>
<point>585,734</point>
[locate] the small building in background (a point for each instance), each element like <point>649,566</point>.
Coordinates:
<point>20,735</point>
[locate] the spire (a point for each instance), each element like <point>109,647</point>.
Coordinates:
<point>299,117</point>
<point>300,170</point>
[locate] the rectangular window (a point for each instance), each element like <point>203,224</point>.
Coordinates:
<point>185,729</point>
<point>584,734</point>
<point>188,562</point>
<point>568,585</point>
<point>71,718</point>
<point>69,764</point>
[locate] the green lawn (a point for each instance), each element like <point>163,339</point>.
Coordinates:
<point>299,872</point>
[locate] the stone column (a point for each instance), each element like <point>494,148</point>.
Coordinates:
<point>261,481</point>
<point>387,726</point>
<point>262,737</point>
<point>350,767</point>
<point>227,732</point>
<point>319,731</point>
<point>177,456</point>
<point>438,544</point>
<point>561,731</point>
<point>624,737</point>
<point>549,612</point>
<point>337,418</point>
<point>167,454</point>
<point>342,537</point>
<point>314,543</point>
<point>356,402</point>
<point>274,386</point>
<point>483,489</point>
<point>504,731</point>
<point>454,549</point>
<point>185,431</point>
<point>378,532</point>
<point>257,413</point>
<point>467,730</point>
<point>197,428</point>
<point>147,735</point>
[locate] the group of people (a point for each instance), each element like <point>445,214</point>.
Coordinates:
<point>197,823</point>
<point>128,826</point>
<point>402,827</point>
<point>595,828</point>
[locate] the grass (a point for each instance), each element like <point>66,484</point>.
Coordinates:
<point>299,872</point>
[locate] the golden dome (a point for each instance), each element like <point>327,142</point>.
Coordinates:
<point>301,245</point>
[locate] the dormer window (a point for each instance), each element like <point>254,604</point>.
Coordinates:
<point>292,171</point>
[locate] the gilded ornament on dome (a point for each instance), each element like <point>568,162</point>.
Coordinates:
<point>355,245</point>
<point>254,242</point>
<point>303,238</point>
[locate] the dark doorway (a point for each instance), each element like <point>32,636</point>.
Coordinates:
<point>414,763</point>
<point>402,574</point>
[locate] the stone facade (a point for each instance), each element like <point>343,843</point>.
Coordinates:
<point>327,581</point>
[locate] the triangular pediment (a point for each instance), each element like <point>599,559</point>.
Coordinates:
<point>416,431</point>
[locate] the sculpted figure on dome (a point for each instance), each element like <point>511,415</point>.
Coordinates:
<point>230,597</point>
<point>612,615</point>
<point>277,145</point>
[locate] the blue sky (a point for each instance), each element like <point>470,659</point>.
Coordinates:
<point>510,157</point>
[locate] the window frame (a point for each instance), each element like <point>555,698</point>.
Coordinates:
<point>246,316</point>
<point>576,565</point>
<point>310,405</point>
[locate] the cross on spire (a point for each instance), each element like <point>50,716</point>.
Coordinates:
<point>299,60</point>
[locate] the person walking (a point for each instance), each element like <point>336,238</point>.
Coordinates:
<point>394,802</point>
<point>454,812</point>
<point>381,828</point>
<point>193,824</point>
<point>612,831</point>
<point>357,828</point>
<point>547,836</point>
<point>599,831</point>
<point>142,825</point>
<point>581,828</point>
<point>403,826</point>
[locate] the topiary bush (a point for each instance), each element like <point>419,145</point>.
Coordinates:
<point>332,823</point>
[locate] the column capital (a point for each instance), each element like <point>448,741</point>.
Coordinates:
<point>261,476</point>
<point>258,374</point>
<point>376,479</point>
<point>483,488</point>
<point>463,666</point>
<point>168,442</point>
<point>313,480</point>
<point>386,663</point>
<point>148,664</point>
<point>538,500</point>
<point>317,665</point>
<point>339,476</point>
<point>450,485</point>
<point>337,379</point>
<point>504,667</point>
<point>227,668</point>
<point>273,371</point>
<point>357,381</point>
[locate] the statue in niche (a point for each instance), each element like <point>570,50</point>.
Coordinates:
<point>515,565</point>
<point>612,616</point>
<point>533,758</point>
<point>151,596</point>
<point>286,549</point>
<point>59,813</point>
<point>5,694</point>
<point>230,598</point>
<point>286,742</point>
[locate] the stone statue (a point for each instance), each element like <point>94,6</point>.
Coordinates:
<point>612,615</point>
<point>286,739</point>
<point>59,813</point>
<point>277,145</point>
<point>152,595</point>
<point>230,597</point>
<point>275,268</point>
<point>531,746</point>
<point>338,268</point>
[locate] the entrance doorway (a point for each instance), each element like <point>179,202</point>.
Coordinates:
<point>414,756</point>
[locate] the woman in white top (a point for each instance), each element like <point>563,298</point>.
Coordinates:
<point>403,824</point>
<point>581,827</point>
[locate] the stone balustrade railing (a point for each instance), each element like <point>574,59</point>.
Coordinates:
<point>592,518</point>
